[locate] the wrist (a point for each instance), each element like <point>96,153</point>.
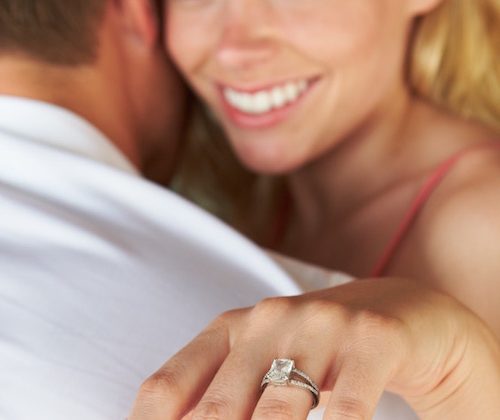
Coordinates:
<point>470,386</point>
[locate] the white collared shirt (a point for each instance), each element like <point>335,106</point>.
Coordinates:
<point>103,275</point>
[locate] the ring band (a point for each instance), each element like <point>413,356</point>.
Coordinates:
<point>283,373</point>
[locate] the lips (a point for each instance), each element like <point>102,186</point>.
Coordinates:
<point>263,107</point>
<point>264,101</point>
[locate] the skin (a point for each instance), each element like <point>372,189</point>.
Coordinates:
<point>358,339</point>
<point>359,145</point>
<point>355,152</point>
<point>127,92</point>
<point>263,43</point>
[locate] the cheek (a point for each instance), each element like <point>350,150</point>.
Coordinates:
<point>352,33</point>
<point>187,41</point>
<point>179,44</point>
<point>361,47</point>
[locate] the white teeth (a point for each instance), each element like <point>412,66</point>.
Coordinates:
<point>278,97</point>
<point>245,99</point>
<point>264,101</point>
<point>291,92</point>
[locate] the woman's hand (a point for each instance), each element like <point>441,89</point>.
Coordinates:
<point>356,340</point>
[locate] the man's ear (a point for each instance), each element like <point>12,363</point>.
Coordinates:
<point>139,20</point>
<point>421,7</point>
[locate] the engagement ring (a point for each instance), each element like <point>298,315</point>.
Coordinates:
<point>283,373</point>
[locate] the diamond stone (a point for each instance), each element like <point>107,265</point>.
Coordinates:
<point>280,371</point>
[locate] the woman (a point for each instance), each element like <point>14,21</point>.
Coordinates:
<point>368,110</point>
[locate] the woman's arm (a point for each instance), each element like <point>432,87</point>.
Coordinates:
<point>356,340</point>
<point>455,244</point>
<point>471,390</point>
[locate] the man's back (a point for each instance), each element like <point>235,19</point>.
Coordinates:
<point>103,274</point>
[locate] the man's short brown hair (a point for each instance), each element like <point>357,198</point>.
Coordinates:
<point>56,31</point>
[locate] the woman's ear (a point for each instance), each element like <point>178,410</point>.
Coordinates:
<point>139,19</point>
<point>421,7</point>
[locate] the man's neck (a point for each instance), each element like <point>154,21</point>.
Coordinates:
<point>81,90</point>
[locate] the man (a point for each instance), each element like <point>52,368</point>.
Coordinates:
<point>103,274</point>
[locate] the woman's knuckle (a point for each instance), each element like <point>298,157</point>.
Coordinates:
<point>163,385</point>
<point>223,319</point>
<point>274,306</point>
<point>275,409</point>
<point>348,409</point>
<point>212,407</point>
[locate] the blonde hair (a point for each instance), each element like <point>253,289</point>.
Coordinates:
<point>455,59</point>
<point>453,62</point>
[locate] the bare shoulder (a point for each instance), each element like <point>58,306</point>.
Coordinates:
<point>458,234</point>
<point>469,193</point>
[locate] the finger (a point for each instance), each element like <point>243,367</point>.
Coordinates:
<point>188,416</point>
<point>359,384</point>
<point>283,402</point>
<point>176,387</point>
<point>290,401</point>
<point>235,388</point>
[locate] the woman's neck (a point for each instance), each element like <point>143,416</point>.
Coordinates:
<point>356,169</point>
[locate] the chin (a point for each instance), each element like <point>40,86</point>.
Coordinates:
<point>266,162</point>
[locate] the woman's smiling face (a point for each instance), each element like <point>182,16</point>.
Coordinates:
<point>288,79</point>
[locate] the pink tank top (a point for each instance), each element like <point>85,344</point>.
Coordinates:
<point>431,184</point>
<point>416,206</point>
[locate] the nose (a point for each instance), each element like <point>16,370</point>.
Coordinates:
<point>248,36</point>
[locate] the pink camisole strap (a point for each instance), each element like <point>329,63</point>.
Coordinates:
<point>417,205</point>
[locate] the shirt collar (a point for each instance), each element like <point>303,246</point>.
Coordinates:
<point>58,127</point>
